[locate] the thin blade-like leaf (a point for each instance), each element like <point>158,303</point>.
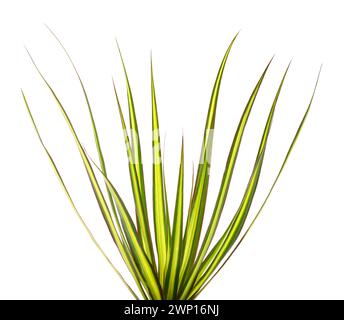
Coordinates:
<point>177,235</point>
<point>139,255</point>
<point>64,187</point>
<point>134,130</point>
<point>196,212</point>
<point>236,225</point>
<point>234,228</point>
<point>195,293</point>
<point>94,127</point>
<point>154,286</point>
<point>143,222</point>
<point>227,176</point>
<point>161,222</point>
<point>168,226</point>
<point>141,215</point>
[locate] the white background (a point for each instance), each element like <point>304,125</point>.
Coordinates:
<point>296,248</point>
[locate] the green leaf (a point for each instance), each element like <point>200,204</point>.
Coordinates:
<point>235,227</point>
<point>65,189</point>
<point>141,211</point>
<point>154,286</point>
<point>296,135</point>
<point>139,255</point>
<point>161,222</point>
<point>177,235</point>
<point>94,127</point>
<point>143,222</point>
<point>196,213</point>
<point>227,176</point>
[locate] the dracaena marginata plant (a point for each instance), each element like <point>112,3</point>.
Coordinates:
<point>177,263</point>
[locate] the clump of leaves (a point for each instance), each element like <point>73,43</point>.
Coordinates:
<point>177,263</point>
